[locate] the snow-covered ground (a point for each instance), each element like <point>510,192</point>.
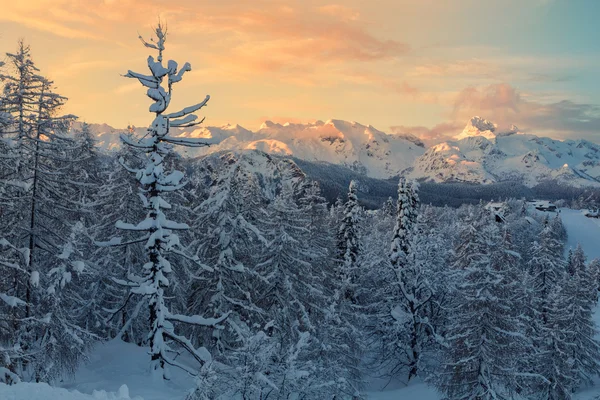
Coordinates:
<point>119,371</point>
<point>116,363</point>
<point>42,391</point>
<point>583,230</point>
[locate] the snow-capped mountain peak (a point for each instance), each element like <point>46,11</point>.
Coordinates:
<point>478,126</point>
<point>481,153</point>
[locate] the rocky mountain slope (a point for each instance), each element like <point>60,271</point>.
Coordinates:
<point>359,147</point>
<point>485,156</point>
<point>479,154</point>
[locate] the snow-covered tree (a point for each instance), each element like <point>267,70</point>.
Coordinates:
<point>552,360</point>
<point>406,219</point>
<point>291,297</point>
<point>576,261</point>
<point>548,313</point>
<point>389,207</point>
<point>578,303</point>
<point>546,269</point>
<point>40,211</point>
<point>349,243</point>
<point>158,231</point>
<point>594,273</point>
<point>9,265</point>
<point>484,337</point>
<point>229,240</point>
<point>408,326</point>
<point>117,198</point>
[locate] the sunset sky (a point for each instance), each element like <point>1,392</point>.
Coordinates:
<point>408,66</point>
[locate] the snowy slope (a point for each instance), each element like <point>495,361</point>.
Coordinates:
<point>581,230</point>
<point>481,154</point>
<point>254,168</point>
<point>360,147</point>
<point>117,363</point>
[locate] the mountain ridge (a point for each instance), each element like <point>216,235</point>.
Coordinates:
<point>481,153</point>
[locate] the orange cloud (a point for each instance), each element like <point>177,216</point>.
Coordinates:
<point>303,58</point>
<point>337,10</point>
<point>297,43</point>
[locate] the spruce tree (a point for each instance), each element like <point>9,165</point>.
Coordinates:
<point>578,305</point>
<point>349,245</point>
<point>157,230</point>
<point>409,326</point>
<point>291,297</point>
<point>229,238</point>
<point>484,337</point>
<point>548,313</point>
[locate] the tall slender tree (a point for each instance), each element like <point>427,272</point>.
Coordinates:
<point>41,211</point>
<point>158,230</point>
<point>411,293</point>
<point>349,244</point>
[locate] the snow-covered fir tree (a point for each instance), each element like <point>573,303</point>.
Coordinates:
<point>229,239</point>
<point>152,282</point>
<point>546,269</point>
<point>578,305</point>
<point>292,298</point>
<point>118,199</point>
<point>407,323</point>
<point>40,216</point>
<point>484,337</point>
<point>406,219</point>
<point>349,243</point>
<point>551,360</point>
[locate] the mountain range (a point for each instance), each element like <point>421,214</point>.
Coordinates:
<point>479,154</point>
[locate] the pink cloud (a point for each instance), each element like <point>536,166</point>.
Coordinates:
<point>505,105</point>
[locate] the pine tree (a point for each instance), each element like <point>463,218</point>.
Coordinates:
<point>9,260</point>
<point>229,239</point>
<point>40,215</point>
<point>291,298</point>
<point>389,208</point>
<point>156,183</point>
<point>346,298</point>
<point>340,328</point>
<point>578,325</point>
<point>117,199</point>
<point>576,261</point>
<point>554,351</point>
<point>484,337</point>
<point>546,269</point>
<point>349,245</point>
<point>547,312</point>
<point>406,219</point>
<point>410,327</point>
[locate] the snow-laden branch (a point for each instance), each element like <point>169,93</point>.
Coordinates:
<point>188,110</point>
<point>147,80</point>
<point>196,319</point>
<point>200,142</point>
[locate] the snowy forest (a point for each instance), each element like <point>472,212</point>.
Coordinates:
<point>267,291</point>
